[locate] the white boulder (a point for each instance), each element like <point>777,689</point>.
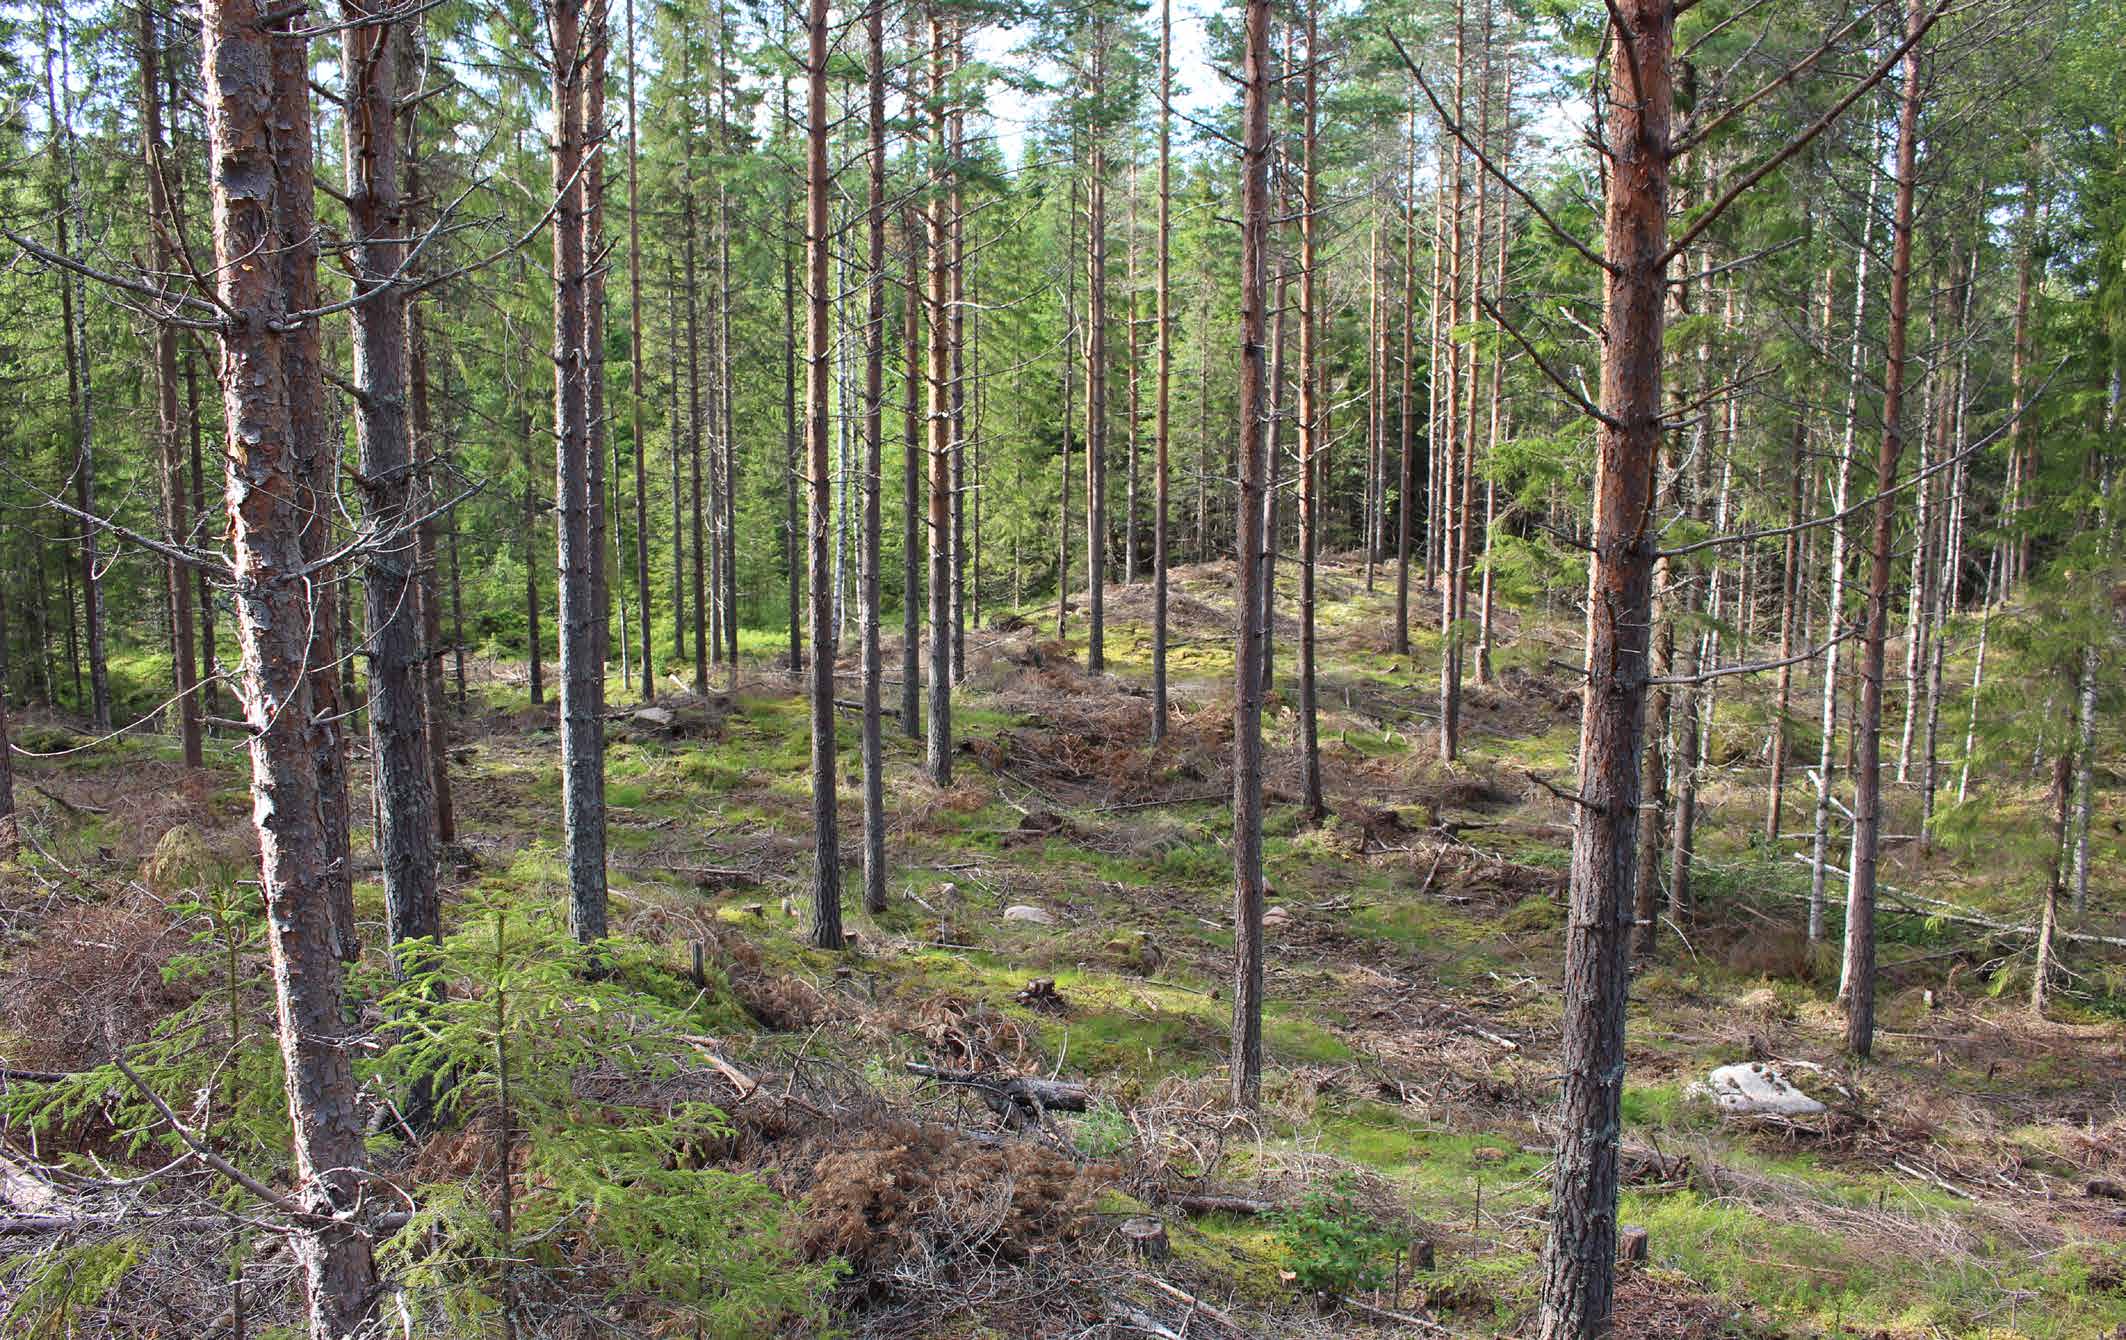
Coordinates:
<point>1754,1089</point>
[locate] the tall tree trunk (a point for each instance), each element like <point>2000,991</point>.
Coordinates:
<point>161,256</point>
<point>790,423</point>
<point>874,429</point>
<point>370,60</point>
<point>1453,449</point>
<point>1070,347</point>
<point>819,334</point>
<point>2049,916</point>
<point>697,517</point>
<point>574,51</point>
<point>1096,369</point>
<point>1579,1258</point>
<point>1311,423</point>
<point>1376,403</point>
<point>957,270</point>
<point>1162,418</point>
<point>2022,442</point>
<point>634,369</point>
<point>1246,1056</point>
<point>258,137</point>
<point>208,672</point>
<point>1406,487</point>
<point>938,751</point>
<point>435,708</point>
<point>1790,593</point>
<point>9,842</point>
<point>1867,727</point>
<point>532,604</point>
<point>1497,397</point>
<point>69,221</point>
<point>1834,607</point>
<point>911,477</point>
<point>1129,327</point>
<point>317,463</point>
<point>723,357</point>
<point>1653,769</point>
<point>598,39</point>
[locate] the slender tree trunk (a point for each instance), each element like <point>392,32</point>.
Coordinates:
<point>1070,344</point>
<point>2049,919</point>
<point>723,360</point>
<point>675,442</point>
<point>1246,1060</point>
<point>1790,593</point>
<point>435,709</point>
<point>957,331</point>
<point>2022,442</point>
<point>1579,1258</point>
<point>790,424</point>
<point>1096,371</point>
<point>1453,449</point>
<point>1834,607</point>
<point>162,253</point>
<point>1653,770</point>
<point>697,516</point>
<point>874,429</point>
<point>371,61</point>
<point>1867,728</point>
<point>1503,152</point>
<point>1129,326</point>
<point>258,139</point>
<point>1947,581</point>
<point>531,531</point>
<point>317,463</point>
<point>1406,488</point>
<point>938,751</point>
<point>208,694</point>
<point>1273,454</point>
<point>819,333</point>
<point>574,52</point>
<point>598,39</point>
<point>1162,419</point>
<point>911,481</point>
<point>9,842</point>
<point>634,368</point>
<point>69,221</point>
<point>1311,424</point>
<point>1376,404</point>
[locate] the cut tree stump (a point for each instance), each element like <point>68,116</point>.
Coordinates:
<point>1632,1244</point>
<point>1146,1238</point>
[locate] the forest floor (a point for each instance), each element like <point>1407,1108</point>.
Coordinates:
<point>1964,1183</point>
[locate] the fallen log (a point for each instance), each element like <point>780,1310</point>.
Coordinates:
<point>1016,1098</point>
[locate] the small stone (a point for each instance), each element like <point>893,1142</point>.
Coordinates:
<point>1039,916</point>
